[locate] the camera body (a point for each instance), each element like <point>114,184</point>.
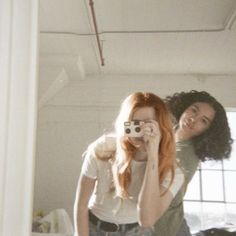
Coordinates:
<point>133,129</point>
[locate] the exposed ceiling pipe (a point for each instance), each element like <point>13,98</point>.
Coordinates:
<point>231,21</point>
<point>96,31</point>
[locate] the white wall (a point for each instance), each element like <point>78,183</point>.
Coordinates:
<point>18,109</point>
<point>83,110</point>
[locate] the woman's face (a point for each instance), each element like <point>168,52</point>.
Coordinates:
<point>142,114</point>
<point>196,119</point>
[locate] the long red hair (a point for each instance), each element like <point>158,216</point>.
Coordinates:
<point>125,151</point>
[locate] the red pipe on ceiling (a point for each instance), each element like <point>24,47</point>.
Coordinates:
<point>96,32</point>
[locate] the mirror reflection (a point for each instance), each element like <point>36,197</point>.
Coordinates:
<point>155,46</point>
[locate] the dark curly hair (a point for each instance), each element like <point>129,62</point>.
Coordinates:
<point>215,143</point>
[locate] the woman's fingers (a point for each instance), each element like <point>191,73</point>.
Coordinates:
<point>151,128</point>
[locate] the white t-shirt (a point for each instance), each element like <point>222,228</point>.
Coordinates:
<point>103,202</point>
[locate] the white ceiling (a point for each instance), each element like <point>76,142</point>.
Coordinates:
<point>137,37</point>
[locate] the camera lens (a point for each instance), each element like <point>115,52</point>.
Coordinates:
<point>137,129</point>
<point>127,131</point>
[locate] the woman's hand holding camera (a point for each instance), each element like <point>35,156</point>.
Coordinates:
<point>151,136</point>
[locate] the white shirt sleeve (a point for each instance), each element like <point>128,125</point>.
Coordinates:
<point>89,166</point>
<point>177,181</point>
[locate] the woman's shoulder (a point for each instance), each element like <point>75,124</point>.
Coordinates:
<point>104,147</point>
<point>184,145</point>
<point>186,157</point>
<point>185,149</point>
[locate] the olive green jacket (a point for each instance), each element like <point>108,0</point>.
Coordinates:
<point>188,161</point>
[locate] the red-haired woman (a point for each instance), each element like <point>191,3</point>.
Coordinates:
<point>124,192</point>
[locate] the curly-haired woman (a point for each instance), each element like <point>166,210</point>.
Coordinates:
<point>202,133</point>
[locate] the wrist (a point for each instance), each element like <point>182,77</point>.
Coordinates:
<point>152,162</point>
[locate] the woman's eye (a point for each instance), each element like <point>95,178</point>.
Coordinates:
<point>204,121</point>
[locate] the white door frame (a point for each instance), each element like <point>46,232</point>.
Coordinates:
<point>18,113</point>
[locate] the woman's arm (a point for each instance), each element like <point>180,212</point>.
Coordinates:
<point>151,205</point>
<point>104,146</point>
<point>84,191</point>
